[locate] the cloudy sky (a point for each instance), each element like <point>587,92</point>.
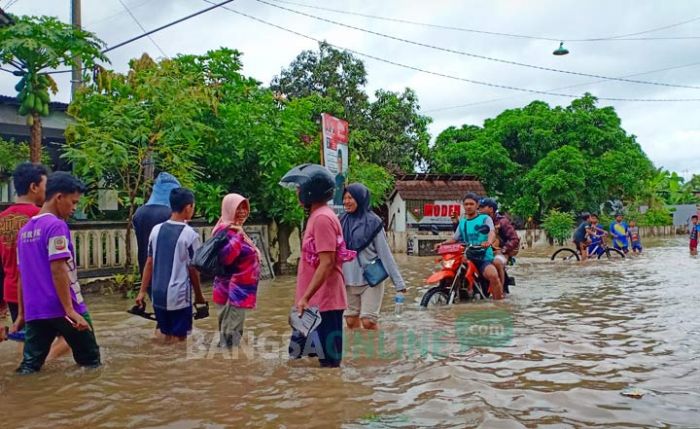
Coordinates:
<point>668,131</point>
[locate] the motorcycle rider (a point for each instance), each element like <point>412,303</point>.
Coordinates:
<point>507,238</point>
<point>468,232</point>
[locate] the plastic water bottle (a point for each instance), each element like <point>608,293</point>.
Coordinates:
<point>398,304</point>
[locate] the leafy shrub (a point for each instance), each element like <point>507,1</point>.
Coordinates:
<point>558,225</point>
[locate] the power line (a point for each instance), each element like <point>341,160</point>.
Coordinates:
<point>469,54</point>
<point>10,4</point>
<point>513,35</point>
<point>108,17</point>
<point>477,103</point>
<point>447,76</point>
<point>162,27</point>
<point>142,28</point>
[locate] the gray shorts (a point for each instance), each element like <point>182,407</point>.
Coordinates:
<point>231,321</point>
<point>364,301</point>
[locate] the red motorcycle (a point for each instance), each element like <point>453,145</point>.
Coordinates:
<point>458,279</point>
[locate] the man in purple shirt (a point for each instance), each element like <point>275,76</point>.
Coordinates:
<point>50,302</point>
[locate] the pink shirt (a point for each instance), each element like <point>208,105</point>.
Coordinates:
<point>323,234</point>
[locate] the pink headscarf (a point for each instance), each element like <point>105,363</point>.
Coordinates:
<point>229,205</point>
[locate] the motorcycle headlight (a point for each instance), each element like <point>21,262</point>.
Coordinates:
<point>448,263</point>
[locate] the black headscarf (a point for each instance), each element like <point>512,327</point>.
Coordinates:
<point>360,227</point>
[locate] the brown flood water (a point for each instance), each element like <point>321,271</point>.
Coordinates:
<point>580,335</point>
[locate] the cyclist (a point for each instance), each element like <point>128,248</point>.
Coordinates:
<point>506,237</point>
<point>596,234</point>
<point>468,232</point>
<point>581,236</point>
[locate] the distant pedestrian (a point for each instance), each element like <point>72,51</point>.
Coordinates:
<point>694,233</point>
<point>634,237</point>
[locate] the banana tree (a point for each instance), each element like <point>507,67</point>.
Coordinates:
<point>35,46</point>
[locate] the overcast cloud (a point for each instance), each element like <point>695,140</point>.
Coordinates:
<point>668,132</point>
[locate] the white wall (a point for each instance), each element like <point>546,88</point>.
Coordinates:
<point>397,214</point>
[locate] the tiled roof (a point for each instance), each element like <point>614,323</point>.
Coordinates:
<point>437,187</point>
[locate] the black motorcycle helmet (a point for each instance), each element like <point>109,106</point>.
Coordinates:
<point>315,183</point>
<point>489,202</point>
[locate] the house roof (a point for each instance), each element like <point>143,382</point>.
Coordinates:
<point>436,186</point>
<point>5,19</point>
<point>12,101</point>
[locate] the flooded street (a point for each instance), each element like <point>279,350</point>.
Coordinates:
<point>576,336</point>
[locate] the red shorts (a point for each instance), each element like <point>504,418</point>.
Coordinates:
<point>694,245</point>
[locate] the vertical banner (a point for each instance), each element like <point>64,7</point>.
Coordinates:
<point>335,154</point>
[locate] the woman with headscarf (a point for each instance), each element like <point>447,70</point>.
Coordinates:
<point>364,233</point>
<point>236,292</point>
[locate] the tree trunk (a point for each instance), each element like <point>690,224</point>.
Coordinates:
<point>283,233</point>
<point>35,140</point>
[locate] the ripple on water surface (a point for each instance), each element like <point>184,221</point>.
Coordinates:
<point>576,336</point>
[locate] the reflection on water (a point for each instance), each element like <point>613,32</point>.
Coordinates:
<point>579,334</point>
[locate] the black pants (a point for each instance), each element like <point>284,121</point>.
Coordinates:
<point>39,335</point>
<point>328,335</point>
<point>14,310</point>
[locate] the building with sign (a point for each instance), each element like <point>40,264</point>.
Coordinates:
<point>422,203</point>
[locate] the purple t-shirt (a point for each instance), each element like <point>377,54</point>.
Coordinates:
<point>43,239</point>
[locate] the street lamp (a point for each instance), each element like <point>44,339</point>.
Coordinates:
<point>561,50</point>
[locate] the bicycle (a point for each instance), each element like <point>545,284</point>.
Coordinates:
<point>597,249</point>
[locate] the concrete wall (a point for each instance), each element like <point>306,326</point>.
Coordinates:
<point>538,237</point>
<point>399,241</point>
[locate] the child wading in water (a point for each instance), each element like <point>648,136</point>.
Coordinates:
<point>171,248</point>
<point>634,237</point>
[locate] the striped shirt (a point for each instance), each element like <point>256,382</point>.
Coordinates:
<point>172,245</point>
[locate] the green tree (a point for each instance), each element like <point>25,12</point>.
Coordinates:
<point>330,73</point>
<point>526,145</point>
<point>558,225</point>
<point>394,134</point>
<point>257,138</point>
<point>448,150</point>
<point>665,187</point>
<point>153,115</point>
<point>388,131</point>
<point>11,154</point>
<point>377,179</point>
<point>557,180</point>
<point>34,45</point>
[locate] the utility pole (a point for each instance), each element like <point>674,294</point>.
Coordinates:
<point>76,74</point>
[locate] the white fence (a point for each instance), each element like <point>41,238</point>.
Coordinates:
<point>100,247</point>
